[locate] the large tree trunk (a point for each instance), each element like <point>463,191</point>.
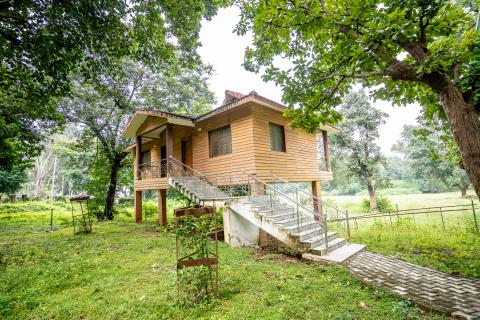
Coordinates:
<point>115,166</point>
<point>465,124</point>
<point>463,190</point>
<point>373,197</point>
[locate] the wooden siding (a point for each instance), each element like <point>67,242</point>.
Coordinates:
<point>242,156</point>
<point>251,148</point>
<point>151,123</point>
<point>298,163</point>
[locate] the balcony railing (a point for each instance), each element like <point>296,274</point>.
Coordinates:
<point>152,171</point>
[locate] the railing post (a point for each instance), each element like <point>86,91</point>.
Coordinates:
<point>474,216</point>
<point>298,214</point>
<point>348,225</point>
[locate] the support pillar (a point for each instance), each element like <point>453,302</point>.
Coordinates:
<point>328,164</point>
<point>138,156</point>
<point>162,207</point>
<point>138,206</point>
<point>169,144</point>
<point>316,192</point>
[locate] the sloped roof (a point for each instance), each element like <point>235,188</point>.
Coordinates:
<point>232,100</point>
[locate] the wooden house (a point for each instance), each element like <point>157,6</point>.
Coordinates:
<point>247,132</point>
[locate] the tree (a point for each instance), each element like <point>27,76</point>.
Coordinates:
<point>406,50</point>
<point>11,181</point>
<point>43,42</point>
<point>103,106</point>
<point>357,142</point>
<point>431,158</point>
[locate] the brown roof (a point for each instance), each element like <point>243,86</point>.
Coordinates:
<point>232,99</point>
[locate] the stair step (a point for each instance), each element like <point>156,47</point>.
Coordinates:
<point>308,234</point>
<point>338,255</point>
<point>332,245</point>
<point>292,221</point>
<point>304,226</point>
<point>280,217</point>
<point>277,211</point>
<point>319,239</point>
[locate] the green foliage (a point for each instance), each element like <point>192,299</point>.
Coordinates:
<point>333,45</point>
<point>356,145</point>
<point>124,271</point>
<point>11,181</point>
<point>43,43</point>
<point>431,157</point>
<point>383,205</point>
<point>423,241</point>
<point>196,284</point>
<point>103,106</point>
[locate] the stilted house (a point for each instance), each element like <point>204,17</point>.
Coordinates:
<point>243,154</point>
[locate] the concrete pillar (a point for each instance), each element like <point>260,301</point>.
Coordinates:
<point>162,207</point>
<point>316,192</point>
<point>138,206</point>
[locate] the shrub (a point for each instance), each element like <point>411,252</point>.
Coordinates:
<point>383,204</point>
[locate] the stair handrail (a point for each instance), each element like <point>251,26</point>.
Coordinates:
<point>173,159</point>
<point>311,195</point>
<point>275,190</point>
<point>343,212</point>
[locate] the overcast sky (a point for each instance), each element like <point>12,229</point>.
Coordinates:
<point>224,50</point>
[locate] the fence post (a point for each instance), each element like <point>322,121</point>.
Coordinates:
<point>398,216</point>
<point>51,220</point>
<point>474,216</point>
<point>441,215</point>
<point>348,225</point>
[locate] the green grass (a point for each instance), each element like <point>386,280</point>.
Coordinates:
<point>126,271</point>
<point>421,239</point>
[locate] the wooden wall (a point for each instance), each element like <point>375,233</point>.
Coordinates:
<point>242,156</point>
<point>251,149</point>
<point>298,163</point>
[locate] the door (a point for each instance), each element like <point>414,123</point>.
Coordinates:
<point>163,161</point>
<point>187,152</point>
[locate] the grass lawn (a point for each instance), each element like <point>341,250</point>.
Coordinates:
<point>421,238</point>
<point>126,271</point>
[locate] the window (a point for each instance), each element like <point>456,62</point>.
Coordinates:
<point>145,159</point>
<point>220,141</point>
<point>277,137</point>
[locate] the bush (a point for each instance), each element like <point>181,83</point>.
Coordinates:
<point>383,204</point>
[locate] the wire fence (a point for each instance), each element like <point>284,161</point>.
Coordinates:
<point>446,216</point>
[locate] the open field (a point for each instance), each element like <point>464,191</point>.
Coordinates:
<point>421,238</point>
<point>126,271</point>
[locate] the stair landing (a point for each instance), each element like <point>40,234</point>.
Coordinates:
<point>337,256</point>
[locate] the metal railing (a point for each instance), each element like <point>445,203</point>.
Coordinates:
<point>328,212</point>
<point>240,184</point>
<point>441,211</point>
<point>151,171</point>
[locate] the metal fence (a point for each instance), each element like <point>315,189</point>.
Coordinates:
<point>441,212</point>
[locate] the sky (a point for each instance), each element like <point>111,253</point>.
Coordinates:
<point>224,49</point>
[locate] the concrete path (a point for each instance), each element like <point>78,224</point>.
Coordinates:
<point>457,297</point>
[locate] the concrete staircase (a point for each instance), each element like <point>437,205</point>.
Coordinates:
<point>279,219</point>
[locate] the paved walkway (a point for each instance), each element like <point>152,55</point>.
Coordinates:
<point>458,297</point>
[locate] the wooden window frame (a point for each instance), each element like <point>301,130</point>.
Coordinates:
<point>284,144</point>
<point>211,133</point>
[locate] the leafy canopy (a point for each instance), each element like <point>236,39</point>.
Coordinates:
<point>357,141</point>
<point>395,47</point>
<point>431,158</point>
<point>42,43</point>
